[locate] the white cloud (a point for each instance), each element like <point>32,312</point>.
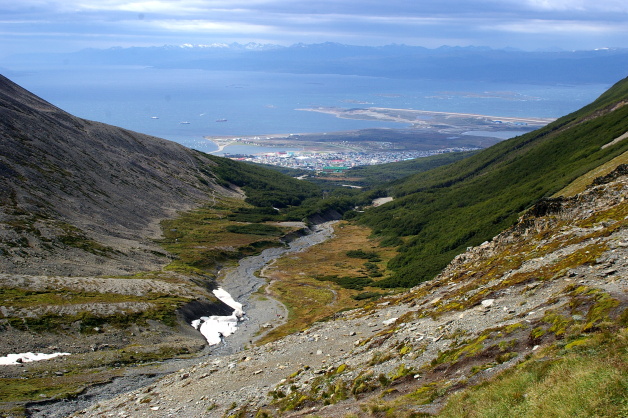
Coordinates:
<point>578,5</point>
<point>425,22</point>
<point>204,26</point>
<point>532,26</point>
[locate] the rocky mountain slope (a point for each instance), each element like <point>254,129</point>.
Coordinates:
<point>81,197</point>
<point>549,290</point>
<point>80,268</point>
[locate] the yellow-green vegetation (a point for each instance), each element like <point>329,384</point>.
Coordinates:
<point>586,310</point>
<point>403,406</point>
<point>466,348</point>
<point>294,278</point>
<point>328,388</point>
<point>162,307</point>
<point>60,379</point>
<point>582,182</point>
<point>202,238</point>
<point>586,378</point>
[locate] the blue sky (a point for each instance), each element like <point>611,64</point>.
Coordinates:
<point>69,25</point>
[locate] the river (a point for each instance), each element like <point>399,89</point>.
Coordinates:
<point>241,282</point>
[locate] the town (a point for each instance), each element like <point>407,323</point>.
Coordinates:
<point>326,161</point>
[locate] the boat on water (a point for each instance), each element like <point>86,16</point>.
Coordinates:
<point>184,123</point>
<point>221,120</point>
<point>154,117</point>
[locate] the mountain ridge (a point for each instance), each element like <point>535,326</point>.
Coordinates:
<point>441,212</point>
<point>411,62</point>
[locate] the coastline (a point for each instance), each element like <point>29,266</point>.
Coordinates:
<point>425,118</point>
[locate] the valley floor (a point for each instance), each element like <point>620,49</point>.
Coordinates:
<point>550,289</point>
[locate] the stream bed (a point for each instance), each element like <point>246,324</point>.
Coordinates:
<point>240,282</point>
<point>243,280</point>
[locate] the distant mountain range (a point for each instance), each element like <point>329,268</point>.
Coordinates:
<point>410,62</point>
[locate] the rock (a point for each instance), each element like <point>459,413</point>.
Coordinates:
<point>389,321</point>
<point>487,303</point>
<point>435,301</point>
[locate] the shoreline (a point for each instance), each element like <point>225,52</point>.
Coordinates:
<point>381,114</point>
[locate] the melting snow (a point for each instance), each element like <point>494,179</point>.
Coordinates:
<point>28,357</point>
<point>214,327</point>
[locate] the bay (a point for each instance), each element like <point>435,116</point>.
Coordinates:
<point>187,105</point>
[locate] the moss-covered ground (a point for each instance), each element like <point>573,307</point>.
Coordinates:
<point>297,280</point>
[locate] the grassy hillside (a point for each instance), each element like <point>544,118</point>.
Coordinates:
<point>438,214</point>
<point>263,187</point>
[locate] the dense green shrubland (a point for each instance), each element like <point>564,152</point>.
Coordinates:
<point>374,175</point>
<point>263,187</point>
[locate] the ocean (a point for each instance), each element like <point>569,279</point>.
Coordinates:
<point>187,105</point>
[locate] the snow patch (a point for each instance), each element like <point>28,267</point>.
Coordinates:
<point>28,357</point>
<point>214,328</point>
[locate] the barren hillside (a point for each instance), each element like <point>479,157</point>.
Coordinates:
<point>81,197</point>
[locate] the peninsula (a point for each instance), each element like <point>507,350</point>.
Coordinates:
<point>423,131</point>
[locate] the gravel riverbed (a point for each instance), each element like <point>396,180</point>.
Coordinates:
<point>241,281</point>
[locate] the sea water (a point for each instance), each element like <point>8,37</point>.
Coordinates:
<point>187,105</point>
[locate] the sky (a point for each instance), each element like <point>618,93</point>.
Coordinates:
<point>33,26</point>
